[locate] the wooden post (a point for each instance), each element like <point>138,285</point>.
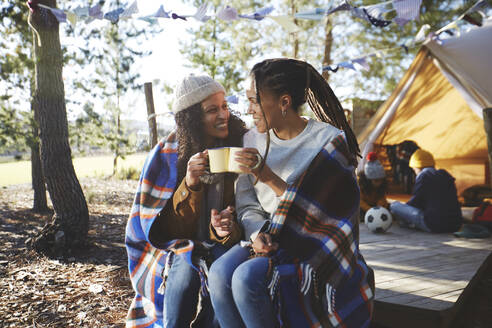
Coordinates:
<point>149,98</point>
<point>487,122</point>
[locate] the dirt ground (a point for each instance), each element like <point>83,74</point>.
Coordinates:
<point>88,288</point>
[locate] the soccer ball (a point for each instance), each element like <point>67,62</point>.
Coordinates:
<point>378,219</point>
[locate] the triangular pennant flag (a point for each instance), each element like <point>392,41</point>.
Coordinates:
<point>128,12</point>
<point>347,64</point>
<point>201,13</point>
<point>406,10</point>
<point>228,14</point>
<point>114,15</point>
<point>287,22</point>
<point>161,13</point>
<point>362,62</point>
<point>377,10</point>
<point>362,13</point>
<point>81,12</point>
<point>95,12</point>
<point>233,99</point>
<point>260,14</point>
<point>60,15</point>
<point>343,7</point>
<point>314,14</point>
<point>72,18</point>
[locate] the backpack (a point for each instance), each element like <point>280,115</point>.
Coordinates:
<point>483,214</point>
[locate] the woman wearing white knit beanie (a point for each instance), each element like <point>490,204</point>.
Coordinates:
<point>200,209</point>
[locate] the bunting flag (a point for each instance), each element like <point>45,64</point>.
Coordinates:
<point>406,10</point>
<point>114,15</point>
<point>161,13</point>
<point>313,14</point>
<point>233,99</point>
<point>260,14</point>
<point>362,63</point>
<point>228,14</point>
<point>95,12</point>
<point>200,14</point>
<point>287,22</point>
<point>58,13</point>
<point>130,11</point>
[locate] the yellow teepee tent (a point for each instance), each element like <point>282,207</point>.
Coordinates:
<point>438,104</point>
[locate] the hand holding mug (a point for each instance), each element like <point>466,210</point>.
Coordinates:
<point>250,160</point>
<point>196,167</point>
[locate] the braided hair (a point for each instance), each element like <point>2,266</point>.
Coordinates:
<point>303,83</point>
<point>190,134</point>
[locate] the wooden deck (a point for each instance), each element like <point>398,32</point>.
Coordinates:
<point>422,279</point>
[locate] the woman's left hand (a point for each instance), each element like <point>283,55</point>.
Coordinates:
<point>222,222</point>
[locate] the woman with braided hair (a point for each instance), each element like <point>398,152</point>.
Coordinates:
<point>299,207</point>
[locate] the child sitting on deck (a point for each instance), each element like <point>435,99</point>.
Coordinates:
<point>373,185</point>
<point>434,205</point>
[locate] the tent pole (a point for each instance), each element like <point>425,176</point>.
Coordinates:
<point>487,122</point>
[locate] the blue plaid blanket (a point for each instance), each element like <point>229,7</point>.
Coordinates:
<point>320,278</point>
<point>148,263</point>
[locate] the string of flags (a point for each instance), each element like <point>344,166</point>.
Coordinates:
<point>361,62</point>
<point>406,10</point>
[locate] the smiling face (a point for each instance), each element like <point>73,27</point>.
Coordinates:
<point>270,104</point>
<point>215,116</point>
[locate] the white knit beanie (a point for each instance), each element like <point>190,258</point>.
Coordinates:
<point>194,89</point>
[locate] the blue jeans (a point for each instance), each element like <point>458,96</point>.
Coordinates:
<point>181,295</point>
<point>411,216</point>
<point>238,290</point>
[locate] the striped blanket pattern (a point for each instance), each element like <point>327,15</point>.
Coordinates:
<point>146,262</point>
<point>317,224</point>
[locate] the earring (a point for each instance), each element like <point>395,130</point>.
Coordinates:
<point>284,112</point>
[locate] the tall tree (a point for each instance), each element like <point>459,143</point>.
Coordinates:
<point>17,72</point>
<point>69,225</point>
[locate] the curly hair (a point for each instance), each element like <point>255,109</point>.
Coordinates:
<point>304,84</point>
<point>367,187</point>
<point>191,135</point>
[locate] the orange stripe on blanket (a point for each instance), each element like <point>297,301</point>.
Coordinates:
<point>183,250</point>
<point>147,216</point>
<point>147,182</point>
<point>140,260</point>
<point>169,151</point>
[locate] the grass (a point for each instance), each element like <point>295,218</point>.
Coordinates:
<point>20,172</point>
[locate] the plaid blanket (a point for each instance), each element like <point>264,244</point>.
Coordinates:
<point>148,263</point>
<point>317,225</point>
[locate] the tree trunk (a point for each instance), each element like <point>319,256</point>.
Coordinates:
<point>69,225</point>
<point>40,204</point>
<point>328,45</point>
<point>487,122</point>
